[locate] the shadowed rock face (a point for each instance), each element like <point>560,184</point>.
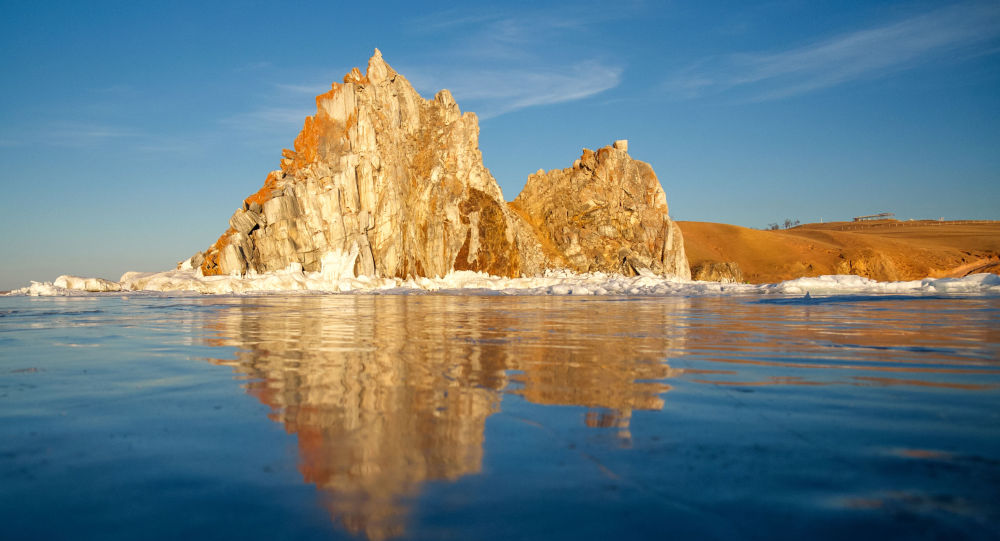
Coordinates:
<point>728,272</point>
<point>383,182</point>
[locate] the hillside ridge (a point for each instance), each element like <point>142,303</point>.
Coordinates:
<point>888,250</point>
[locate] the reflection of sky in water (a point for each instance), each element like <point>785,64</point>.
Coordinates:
<point>501,417</point>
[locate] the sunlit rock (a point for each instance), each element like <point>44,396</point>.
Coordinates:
<point>726,273</point>
<point>380,171</point>
<point>399,180</point>
<point>606,213</point>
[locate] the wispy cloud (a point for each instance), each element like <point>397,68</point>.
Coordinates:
<point>93,136</point>
<point>84,135</point>
<point>508,36</point>
<point>186,144</point>
<point>863,54</point>
<point>254,66</point>
<point>282,106</point>
<point>493,92</point>
<point>311,89</point>
<point>451,19</point>
<point>502,61</point>
<point>494,61</point>
<point>267,119</point>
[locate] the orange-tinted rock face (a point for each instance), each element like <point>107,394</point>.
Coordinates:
<point>607,213</point>
<point>380,175</point>
<point>395,185</point>
<point>210,265</point>
<point>266,192</point>
<point>323,137</point>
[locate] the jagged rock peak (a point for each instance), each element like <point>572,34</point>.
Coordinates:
<point>382,182</point>
<point>379,182</point>
<point>378,70</point>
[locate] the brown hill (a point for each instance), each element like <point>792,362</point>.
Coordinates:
<point>886,250</point>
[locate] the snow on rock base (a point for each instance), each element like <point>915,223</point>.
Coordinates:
<point>337,276</point>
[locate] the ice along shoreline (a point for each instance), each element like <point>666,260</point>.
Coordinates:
<point>334,278</point>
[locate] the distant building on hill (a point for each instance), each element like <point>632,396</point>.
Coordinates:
<point>873,217</point>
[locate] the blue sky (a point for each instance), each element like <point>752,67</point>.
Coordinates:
<point>130,131</point>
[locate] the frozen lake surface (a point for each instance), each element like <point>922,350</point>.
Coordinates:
<point>431,416</point>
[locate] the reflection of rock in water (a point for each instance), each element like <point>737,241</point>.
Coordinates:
<point>385,393</point>
<point>376,414</point>
<point>613,364</point>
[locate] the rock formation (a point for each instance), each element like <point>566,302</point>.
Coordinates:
<point>606,213</point>
<point>728,272</point>
<point>383,182</point>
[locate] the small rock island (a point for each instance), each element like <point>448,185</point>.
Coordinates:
<point>382,182</point>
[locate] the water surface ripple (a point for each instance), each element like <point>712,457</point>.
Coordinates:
<point>496,417</point>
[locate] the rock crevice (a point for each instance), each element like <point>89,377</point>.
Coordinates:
<point>387,183</point>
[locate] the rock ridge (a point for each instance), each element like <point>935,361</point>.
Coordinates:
<point>382,182</point>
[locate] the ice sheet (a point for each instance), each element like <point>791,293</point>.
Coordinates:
<point>336,277</point>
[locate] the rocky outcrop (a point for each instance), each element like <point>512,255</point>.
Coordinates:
<point>380,181</point>
<point>868,263</point>
<point>726,273</point>
<point>606,213</point>
<point>383,182</point>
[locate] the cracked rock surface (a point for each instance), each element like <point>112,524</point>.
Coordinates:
<point>383,182</point>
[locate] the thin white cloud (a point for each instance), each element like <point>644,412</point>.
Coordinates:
<point>309,89</point>
<point>96,135</point>
<point>451,19</point>
<point>270,118</point>
<point>254,66</point>
<point>188,144</point>
<point>494,62</point>
<point>499,33</point>
<point>283,106</point>
<point>493,92</point>
<point>82,134</point>
<point>505,60</point>
<point>863,54</point>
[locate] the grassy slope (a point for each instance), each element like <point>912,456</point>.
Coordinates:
<point>883,251</point>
